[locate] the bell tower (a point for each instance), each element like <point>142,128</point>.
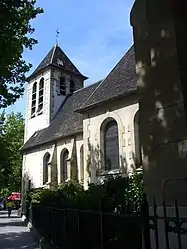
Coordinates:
<point>49,86</point>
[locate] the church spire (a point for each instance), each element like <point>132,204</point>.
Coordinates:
<point>57,36</point>
<point>57,58</point>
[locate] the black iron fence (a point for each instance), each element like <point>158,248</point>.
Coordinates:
<point>167,227</point>
<point>160,228</point>
<point>86,229</point>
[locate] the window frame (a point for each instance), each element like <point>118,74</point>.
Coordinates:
<point>109,142</point>
<point>34,98</point>
<point>71,86</point>
<point>64,156</point>
<point>82,163</point>
<point>41,96</point>
<point>46,162</point>
<point>62,86</point>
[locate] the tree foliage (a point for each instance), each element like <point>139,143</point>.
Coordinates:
<point>11,140</point>
<point>15,16</point>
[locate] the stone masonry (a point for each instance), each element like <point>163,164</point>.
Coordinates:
<point>160,51</point>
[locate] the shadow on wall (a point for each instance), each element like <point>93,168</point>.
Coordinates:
<point>26,182</point>
<point>96,167</point>
<point>26,186</point>
<point>160,51</point>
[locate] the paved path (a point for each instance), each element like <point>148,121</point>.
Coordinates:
<point>14,234</point>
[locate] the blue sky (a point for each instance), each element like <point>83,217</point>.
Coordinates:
<point>94,35</point>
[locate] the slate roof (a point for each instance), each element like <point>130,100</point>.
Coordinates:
<point>66,123</point>
<point>57,58</point>
<point>119,82</point>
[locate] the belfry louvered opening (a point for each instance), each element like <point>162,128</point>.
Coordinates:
<point>41,96</point>
<point>33,105</point>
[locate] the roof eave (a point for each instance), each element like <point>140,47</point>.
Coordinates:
<point>33,75</point>
<point>49,142</point>
<point>87,108</point>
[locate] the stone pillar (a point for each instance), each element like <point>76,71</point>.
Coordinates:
<point>160,42</point>
<point>73,163</point>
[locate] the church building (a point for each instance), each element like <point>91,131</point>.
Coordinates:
<point>76,132</point>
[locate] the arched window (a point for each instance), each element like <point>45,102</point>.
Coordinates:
<point>41,96</point>
<point>62,86</point>
<point>82,164</point>
<point>33,105</point>
<point>63,165</point>
<point>72,86</point>
<point>138,156</point>
<point>111,145</point>
<point>46,168</point>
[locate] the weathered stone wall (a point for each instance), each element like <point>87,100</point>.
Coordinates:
<point>56,98</point>
<point>123,111</point>
<point>160,63</point>
<point>33,162</point>
<point>64,144</point>
<point>33,165</point>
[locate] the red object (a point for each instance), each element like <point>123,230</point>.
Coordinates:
<point>15,196</point>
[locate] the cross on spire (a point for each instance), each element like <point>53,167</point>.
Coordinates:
<point>57,36</point>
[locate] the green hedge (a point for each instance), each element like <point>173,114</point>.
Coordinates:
<point>115,195</point>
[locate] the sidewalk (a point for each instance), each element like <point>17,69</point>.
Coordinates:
<point>14,234</point>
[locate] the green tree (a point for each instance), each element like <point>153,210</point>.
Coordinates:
<point>11,139</point>
<point>15,35</point>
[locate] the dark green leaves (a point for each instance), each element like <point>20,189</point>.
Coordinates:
<point>11,139</point>
<point>15,31</point>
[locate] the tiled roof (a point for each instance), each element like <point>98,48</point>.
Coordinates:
<point>66,123</point>
<point>120,81</point>
<point>56,57</point>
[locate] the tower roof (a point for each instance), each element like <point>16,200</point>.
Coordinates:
<point>56,58</point>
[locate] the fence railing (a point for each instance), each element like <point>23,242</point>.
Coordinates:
<point>167,226</point>
<point>160,228</point>
<point>86,229</point>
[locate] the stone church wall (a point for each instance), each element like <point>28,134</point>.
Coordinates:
<point>57,98</point>
<point>33,165</point>
<point>78,147</point>
<point>33,161</point>
<point>65,144</point>
<point>123,111</point>
<point>73,145</point>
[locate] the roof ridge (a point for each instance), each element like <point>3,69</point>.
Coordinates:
<point>105,77</point>
<point>92,93</point>
<point>51,61</point>
<point>85,87</point>
<point>59,109</point>
<point>124,71</point>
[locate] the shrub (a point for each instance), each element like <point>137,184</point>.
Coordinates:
<point>120,195</point>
